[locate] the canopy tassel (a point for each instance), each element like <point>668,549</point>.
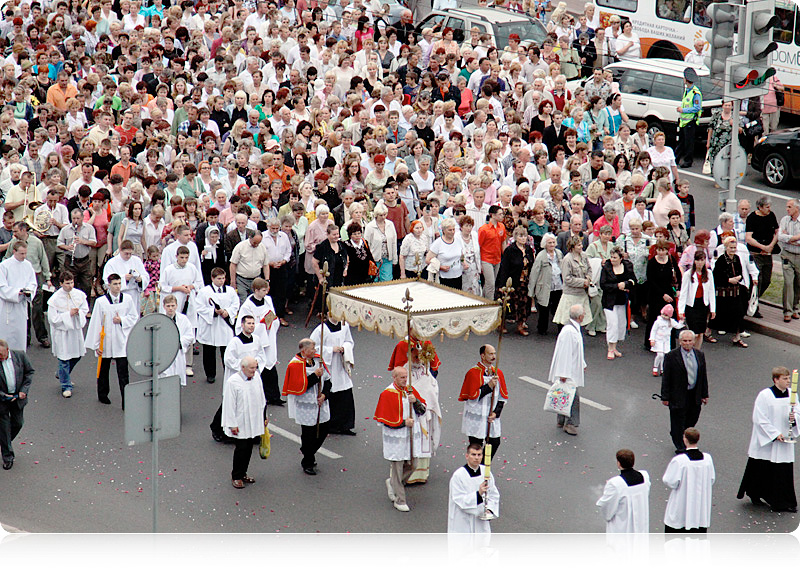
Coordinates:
<point>466,336</point>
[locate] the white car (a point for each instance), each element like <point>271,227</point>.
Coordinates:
<point>652,90</point>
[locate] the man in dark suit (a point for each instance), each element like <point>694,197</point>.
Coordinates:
<point>684,387</point>
<point>16,374</point>
<point>554,134</point>
<point>237,234</point>
<point>575,225</point>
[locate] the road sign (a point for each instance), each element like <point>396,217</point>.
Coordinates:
<point>141,344</point>
<point>722,166</point>
<point>139,410</point>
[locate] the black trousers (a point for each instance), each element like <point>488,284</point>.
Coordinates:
<point>494,441</point>
<point>210,362</point>
<point>546,312</point>
<point>277,289</point>
<point>452,283</point>
<point>310,442</point>
<point>685,150</point>
<point>343,411</point>
<point>241,457</point>
<point>122,377</point>
<point>79,268</point>
<point>10,425</point>
<point>682,418</point>
<point>668,529</point>
<point>269,380</point>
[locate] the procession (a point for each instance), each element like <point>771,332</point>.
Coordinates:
<point>355,215</point>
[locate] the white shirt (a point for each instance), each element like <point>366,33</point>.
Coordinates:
<point>279,248</point>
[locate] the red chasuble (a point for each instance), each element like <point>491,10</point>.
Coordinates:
<point>390,406</point>
<point>400,355</point>
<point>296,380</point>
<point>473,382</point>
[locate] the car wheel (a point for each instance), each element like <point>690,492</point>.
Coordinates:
<point>776,171</point>
<point>654,126</point>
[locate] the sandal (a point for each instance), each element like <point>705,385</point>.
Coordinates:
<point>610,356</point>
<point>248,479</point>
<point>617,353</point>
<point>739,343</point>
<point>710,339</point>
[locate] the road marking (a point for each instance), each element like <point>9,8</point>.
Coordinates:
<point>544,385</point>
<point>740,186</point>
<point>273,428</point>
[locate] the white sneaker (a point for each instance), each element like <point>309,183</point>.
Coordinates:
<point>189,372</point>
<point>634,325</point>
<point>66,394</point>
<point>592,333</point>
<point>745,334</point>
<point>721,332</point>
<point>392,496</point>
<point>401,507</point>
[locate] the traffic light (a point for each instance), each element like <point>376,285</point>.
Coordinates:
<point>750,72</point>
<point>724,18</point>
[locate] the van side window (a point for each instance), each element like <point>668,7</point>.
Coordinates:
<point>636,82</point>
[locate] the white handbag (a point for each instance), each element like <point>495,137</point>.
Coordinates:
<point>559,397</point>
<point>707,165</point>
<point>752,305</point>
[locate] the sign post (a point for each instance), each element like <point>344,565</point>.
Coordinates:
<point>152,346</point>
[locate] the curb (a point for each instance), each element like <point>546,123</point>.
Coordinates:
<point>768,326</point>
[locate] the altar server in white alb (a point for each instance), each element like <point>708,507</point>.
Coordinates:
<point>484,394</point>
<point>307,385</point>
<point>182,279</point>
<point>259,306</point>
<point>115,313</point>
<point>337,352</point>
<point>471,495</point>
<point>216,309</point>
<point>131,268</point>
<point>431,422</point>
<point>243,417</point>
<point>625,502</point>
<point>183,239</point>
<point>568,365</point>
<point>66,310</point>
<point>690,475</point>
<point>186,334</point>
<point>398,410</point>
<point>17,288</point>
<point>769,475</point>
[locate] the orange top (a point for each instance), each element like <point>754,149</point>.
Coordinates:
<point>490,239</point>
<point>296,379</point>
<point>390,406</point>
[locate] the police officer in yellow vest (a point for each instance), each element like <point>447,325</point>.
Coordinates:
<point>691,105</point>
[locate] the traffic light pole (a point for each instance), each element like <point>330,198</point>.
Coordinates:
<point>731,202</point>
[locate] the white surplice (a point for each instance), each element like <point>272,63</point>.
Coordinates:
<point>770,419</point>
<point>689,503</point>
<point>431,421</point>
<point>463,508</point>
<point>568,355</point>
<point>172,276</point>
<point>116,339</point>
<point>237,349</point>
<point>268,336</point>
<point>476,413</point>
<point>396,441</point>
<point>170,255</point>
<point>337,363</point>
<point>304,408</point>
<point>178,365</point>
<point>133,266</point>
<point>212,330</point>
<point>16,276</point>
<point>243,405</point>
<point>626,509</point>
<point>66,331</point>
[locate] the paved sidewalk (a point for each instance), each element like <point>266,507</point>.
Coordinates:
<point>773,325</point>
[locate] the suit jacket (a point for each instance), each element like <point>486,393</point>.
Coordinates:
<point>675,381</point>
<point>23,374</point>
<point>232,239</point>
<point>551,138</point>
<point>563,237</point>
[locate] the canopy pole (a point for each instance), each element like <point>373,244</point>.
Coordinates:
<point>407,300</point>
<point>506,291</point>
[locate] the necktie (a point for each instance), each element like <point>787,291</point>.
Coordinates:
<point>691,369</point>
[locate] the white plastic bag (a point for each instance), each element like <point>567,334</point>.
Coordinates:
<point>752,305</point>
<point>559,397</point>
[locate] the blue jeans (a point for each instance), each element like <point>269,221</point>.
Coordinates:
<point>65,368</point>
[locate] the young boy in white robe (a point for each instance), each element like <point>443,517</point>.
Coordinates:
<point>17,288</point>
<point>259,305</point>
<point>625,502</point>
<point>336,348</point>
<point>471,495</point>
<point>114,313</point>
<point>216,308</point>
<point>690,476</point>
<point>186,332</point>
<point>182,279</point>
<point>66,311</point>
<point>131,269</point>
<point>660,335</point>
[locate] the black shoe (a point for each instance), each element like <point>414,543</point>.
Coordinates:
<point>7,464</point>
<point>758,314</point>
<point>211,379</point>
<point>348,432</point>
<point>45,343</point>
<point>310,471</point>
<point>104,400</point>
<point>219,437</point>
<point>278,403</point>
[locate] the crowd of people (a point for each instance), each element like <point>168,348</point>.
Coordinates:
<point>208,159</point>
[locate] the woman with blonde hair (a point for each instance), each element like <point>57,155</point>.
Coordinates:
<point>381,238</point>
<point>235,137</point>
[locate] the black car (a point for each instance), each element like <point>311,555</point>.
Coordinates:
<point>775,156</point>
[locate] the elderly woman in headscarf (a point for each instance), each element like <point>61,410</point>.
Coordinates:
<point>213,253</point>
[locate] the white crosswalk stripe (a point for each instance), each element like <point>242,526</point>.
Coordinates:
<point>545,385</point>
<point>273,428</point>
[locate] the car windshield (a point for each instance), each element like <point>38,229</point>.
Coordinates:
<point>527,30</point>
<point>711,90</point>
